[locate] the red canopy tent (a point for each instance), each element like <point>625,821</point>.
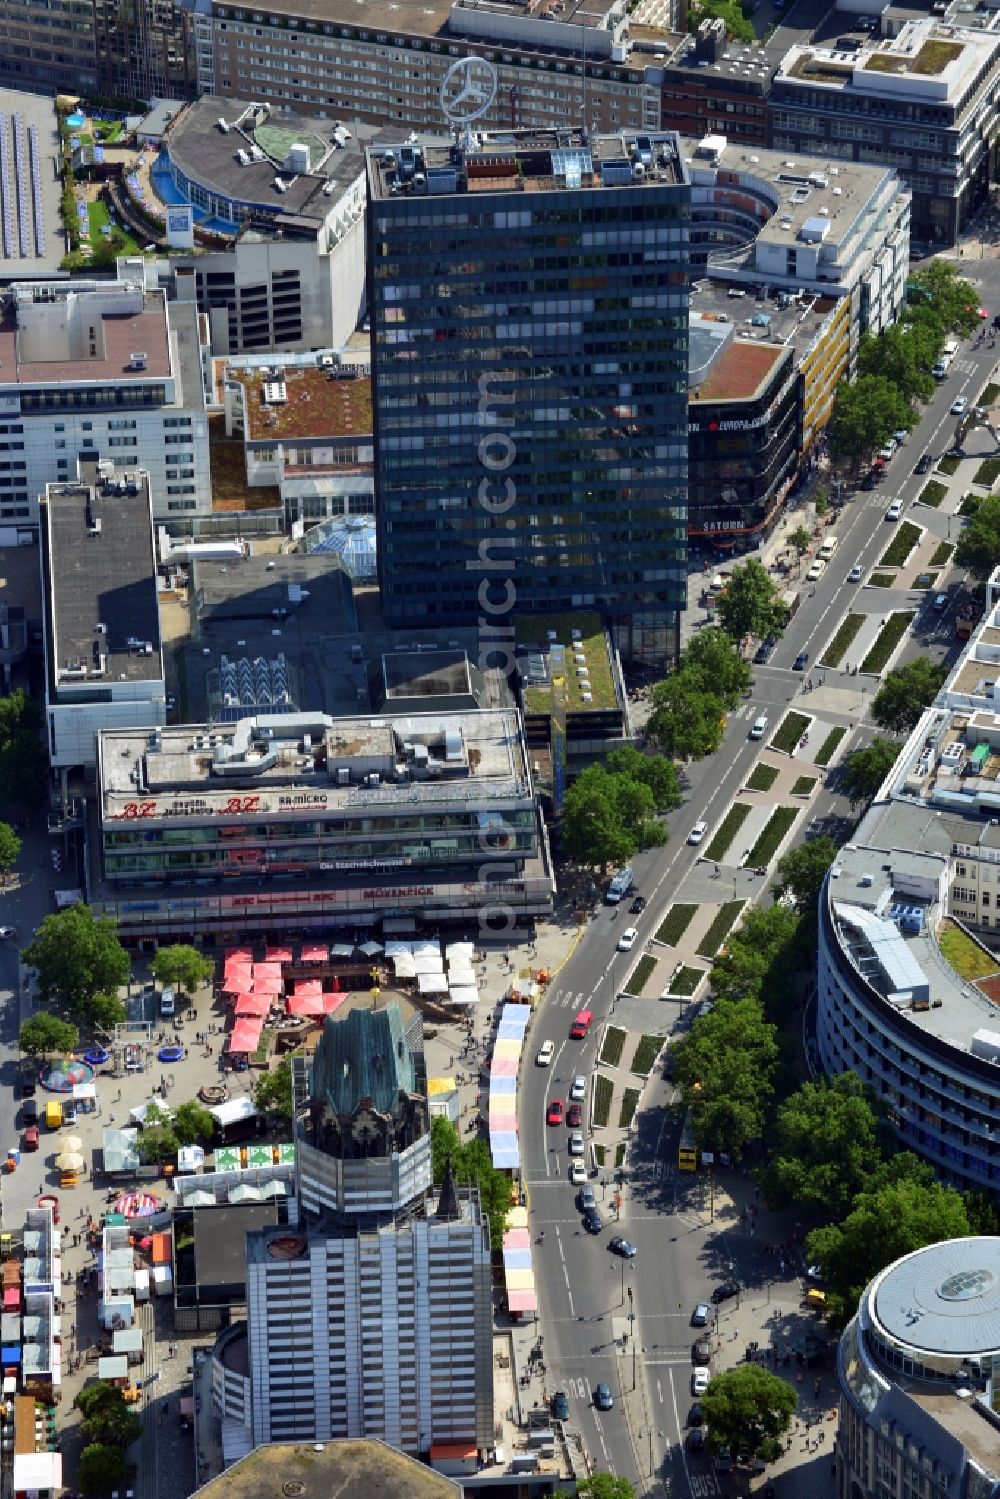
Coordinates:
<point>306,1004</point>
<point>264,972</point>
<point>239,954</point>
<point>308,988</point>
<point>314,952</point>
<point>245,1034</point>
<point>333,1002</point>
<point>277,955</point>
<point>252,1004</point>
<point>240,983</point>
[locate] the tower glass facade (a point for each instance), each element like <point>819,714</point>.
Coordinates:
<point>529,305</point>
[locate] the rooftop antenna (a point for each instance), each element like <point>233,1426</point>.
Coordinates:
<point>467,91</point>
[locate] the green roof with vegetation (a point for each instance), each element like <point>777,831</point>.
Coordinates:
<point>534,630</point>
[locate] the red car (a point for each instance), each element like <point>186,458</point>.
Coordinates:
<point>574,1115</point>
<point>31,1137</point>
<point>555,1112</point>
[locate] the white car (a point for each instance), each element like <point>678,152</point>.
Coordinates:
<point>627,939</point>
<point>895,510</point>
<point>546,1052</point>
<point>759,727</point>
<point>700,1379</point>
<point>578,1173</point>
<point>959,407</point>
<point>855,574</point>
<point>576,1143</point>
<point>901,435</point>
<point>698,832</point>
<point>578,1090</point>
<point>816,571</point>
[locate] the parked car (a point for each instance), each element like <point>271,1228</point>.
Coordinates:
<point>69,1112</point>
<point>560,1406</point>
<point>602,1397</point>
<point>723,1461</point>
<point>627,940</point>
<point>28,1077</point>
<point>554,1112</point>
<point>576,1146</point>
<point>726,1291</point>
<point>31,1137</point>
<point>701,1351</point>
<point>816,571</point>
<point>764,650</point>
<point>940,602</point>
<point>29,1111</point>
<point>586,1199</point>
<point>695,1415</point>
<point>577,1173</point>
<point>578,1089</point>
<point>574,1115</point>
<point>592,1221</point>
<point>545,1054</point>
<point>702,1315</point>
<point>696,1439</point>
<point>700,1380</point>
<point>924,463</point>
<point>621,1246</point>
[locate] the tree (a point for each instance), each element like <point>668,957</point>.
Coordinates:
<point>686,721</point>
<point>825,1147</point>
<point>606,818</point>
<point>77,956</point>
<point>865,413</point>
<point>883,1225</point>
<point>182,967</point>
<point>821,501</point>
<point>903,354</point>
<point>44,1034</point>
<point>600,1486</point>
<point>725,1066</point>
<point>800,539</point>
<point>712,660</point>
<point>10,847</point>
<point>22,756</point>
<point>737,25</point>
<point>102,1470</point>
<point>762,960</point>
<point>103,1012</point>
<point>866,769</point>
<point>157,1141</point>
<point>272,1092</point>
<point>107,1419</point>
<point>654,771</point>
<point>951,300</point>
<point>802,870</point>
<point>978,546</point>
<point>194,1124</point>
<point>906,692</point>
<point>472,1163</point>
<point>750,604</point>
<point>748,1409</point>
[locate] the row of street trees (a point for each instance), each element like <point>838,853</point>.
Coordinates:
<point>894,367</point>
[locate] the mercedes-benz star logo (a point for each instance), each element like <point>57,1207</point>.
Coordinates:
<point>468,89</point>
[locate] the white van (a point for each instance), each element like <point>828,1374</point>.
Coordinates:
<point>828,548</point>
<point>167,1004</point>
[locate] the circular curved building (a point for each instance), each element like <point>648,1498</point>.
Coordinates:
<point>918,1370</point>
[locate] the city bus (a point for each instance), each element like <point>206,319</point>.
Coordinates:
<point>687,1149</point>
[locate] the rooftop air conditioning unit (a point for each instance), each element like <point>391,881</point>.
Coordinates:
<point>137,361</point>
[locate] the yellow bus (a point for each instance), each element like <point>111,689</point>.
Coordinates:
<point>687,1149</point>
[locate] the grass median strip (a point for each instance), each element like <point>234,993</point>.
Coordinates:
<point>720,928</point>
<point>604,1091</point>
<point>804,786</point>
<point>844,638</point>
<point>790,731</point>
<point>828,748</point>
<point>970,504</point>
<point>763,778</point>
<point>888,639</point>
<point>881,580</point>
<point>770,840</point>
<point>948,464</point>
<point>641,974</point>
<point>675,924</point>
<point>685,981</point>
<point>987,473</point>
<point>942,552</point>
<point>614,1045</point>
<point>932,493</point>
<point>728,828</point>
<point>630,1102</point>
<point>646,1053</point>
<point>901,545</point>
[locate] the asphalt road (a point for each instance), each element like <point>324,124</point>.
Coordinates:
<point>583,1288</point>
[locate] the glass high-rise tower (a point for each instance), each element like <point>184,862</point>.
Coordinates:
<point>528,296</point>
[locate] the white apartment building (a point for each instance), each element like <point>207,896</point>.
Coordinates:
<point>101,620</point>
<point>92,370</point>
